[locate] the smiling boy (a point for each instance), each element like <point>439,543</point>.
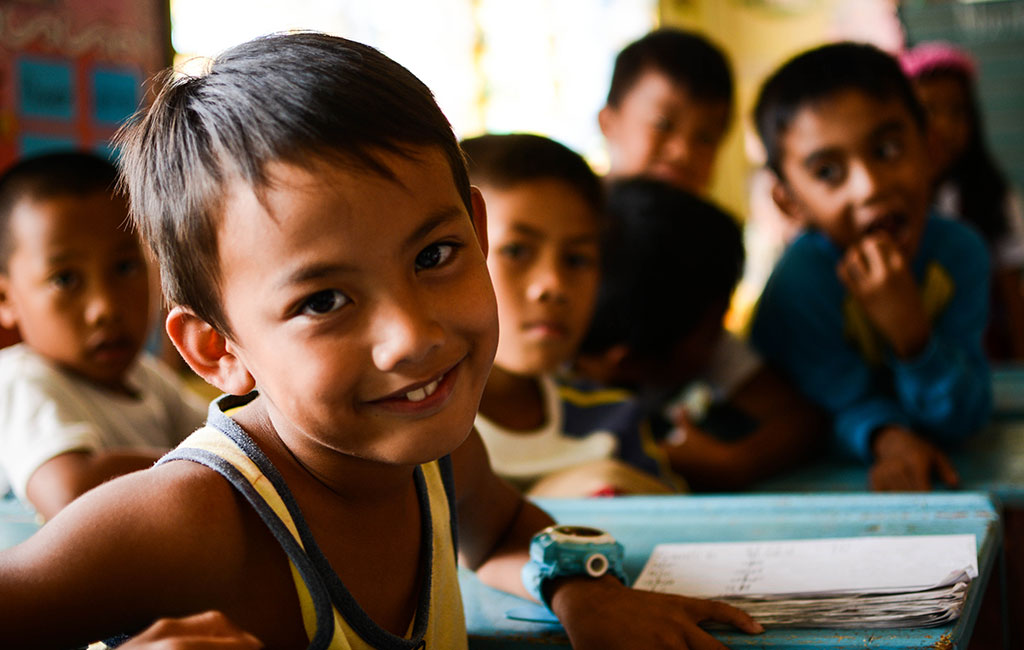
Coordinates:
<point>324,255</point>
<point>877,310</point>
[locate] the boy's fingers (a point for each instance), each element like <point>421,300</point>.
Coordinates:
<point>713,610</point>
<point>698,639</point>
<point>947,473</point>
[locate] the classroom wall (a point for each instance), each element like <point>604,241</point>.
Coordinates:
<point>72,70</point>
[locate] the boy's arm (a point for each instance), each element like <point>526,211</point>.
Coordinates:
<point>495,528</point>
<point>62,479</point>
<point>789,430</point>
<point>941,375</point>
<point>144,546</point>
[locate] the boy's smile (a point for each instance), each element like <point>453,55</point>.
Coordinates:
<point>76,285</point>
<point>659,130</point>
<point>361,306</point>
<point>855,166</point>
<point>544,265</point>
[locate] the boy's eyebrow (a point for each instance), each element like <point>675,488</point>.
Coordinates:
<point>439,218</point>
<point>529,231</point>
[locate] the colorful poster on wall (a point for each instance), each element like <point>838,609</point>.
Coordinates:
<point>71,71</point>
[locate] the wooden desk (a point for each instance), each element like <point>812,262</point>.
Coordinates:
<point>642,522</point>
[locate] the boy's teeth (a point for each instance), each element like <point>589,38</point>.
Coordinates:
<point>423,393</point>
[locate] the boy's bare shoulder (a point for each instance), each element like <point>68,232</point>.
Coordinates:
<point>177,530</point>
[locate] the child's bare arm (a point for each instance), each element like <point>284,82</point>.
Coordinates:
<point>63,478</point>
<point>789,430</point>
<point>136,549</point>
<point>495,528</point>
<point>905,462</point>
<point>878,275</point>
<point>207,631</point>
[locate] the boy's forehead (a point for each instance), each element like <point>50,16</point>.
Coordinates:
<point>842,118</point>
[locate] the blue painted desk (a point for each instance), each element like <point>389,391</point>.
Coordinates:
<point>642,522</point>
<point>991,461</point>
<point>16,523</point>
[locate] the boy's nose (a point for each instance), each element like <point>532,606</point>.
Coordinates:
<point>404,333</point>
<point>865,181</point>
<point>101,306</point>
<point>547,284</point>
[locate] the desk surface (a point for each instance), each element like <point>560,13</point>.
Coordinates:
<point>991,461</point>
<point>642,522</point>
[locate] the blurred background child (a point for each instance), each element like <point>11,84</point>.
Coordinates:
<point>969,185</point>
<point>545,222</point>
<point>79,401</point>
<point>669,107</point>
<point>877,310</point>
<point>671,265</point>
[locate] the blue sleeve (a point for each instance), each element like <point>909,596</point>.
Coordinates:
<point>947,388</point>
<point>799,329</point>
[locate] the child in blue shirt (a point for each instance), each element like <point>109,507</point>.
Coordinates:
<point>546,435</point>
<point>323,253</point>
<point>877,310</point>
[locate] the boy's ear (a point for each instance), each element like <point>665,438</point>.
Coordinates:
<point>479,216</point>
<point>605,120</point>
<point>8,315</point>
<point>784,199</point>
<point>208,352</point>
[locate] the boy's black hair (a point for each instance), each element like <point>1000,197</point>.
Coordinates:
<point>689,60</point>
<point>670,257</point>
<point>304,99</point>
<point>505,160</point>
<point>820,73</point>
<point>46,176</point>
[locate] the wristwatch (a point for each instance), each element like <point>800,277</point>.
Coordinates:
<point>560,551</point>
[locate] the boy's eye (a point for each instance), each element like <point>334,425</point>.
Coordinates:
<point>128,267</point>
<point>662,124</point>
<point>65,280</point>
<point>830,173</point>
<point>514,251</point>
<point>324,302</point>
<point>580,260</point>
<point>890,149</point>
<point>434,255</point>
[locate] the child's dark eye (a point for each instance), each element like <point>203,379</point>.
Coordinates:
<point>663,124</point>
<point>514,251</point>
<point>128,267</point>
<point>580,260</point>
<point>830,173</point>
<point>890,149</point>
<point>434,255</point>
<point>324,302</point>
<point>65,280</point>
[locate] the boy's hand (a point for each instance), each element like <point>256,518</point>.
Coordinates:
<point>604,613</point>
<point>878,275</point>
<point>905,462</point>
<point>206,631</point>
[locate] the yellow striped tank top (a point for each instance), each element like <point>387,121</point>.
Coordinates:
<point>333,619</point>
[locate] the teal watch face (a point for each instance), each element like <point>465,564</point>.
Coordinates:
<point>560,551</point>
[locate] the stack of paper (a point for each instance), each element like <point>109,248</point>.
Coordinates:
<point>857,582</point>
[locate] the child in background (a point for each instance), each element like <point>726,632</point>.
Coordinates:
<point>969,185</point>
<point>877,310</point>
<point>323,254</point>
<point>545,221</point>
<point>668,109</point>
<point>665,349</point>
<point>80,402</point>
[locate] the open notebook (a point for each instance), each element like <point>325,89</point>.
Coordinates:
<point>857,582</point>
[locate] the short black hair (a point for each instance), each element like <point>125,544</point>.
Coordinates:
<point>46,176</point>
<point>669,258</point>
<point>301,98</point>
<point>505,160</point>
<point>688,59</point>
<point>823,72</point>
